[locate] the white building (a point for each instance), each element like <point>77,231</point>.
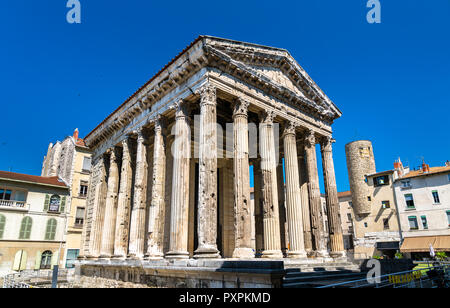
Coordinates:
<point>423,200</point>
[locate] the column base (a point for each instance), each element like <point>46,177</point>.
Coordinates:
<point>105,257</point>
<point>338,254</point>
<point>135,257</point>
<point>91,257</point>
<point>207,253</point>
<point>118,257</point>
<point>322,254</point>
<point>272,254</point>
<point>297,255</point>
<point>177,255</point>
<point>243,253</point>
<point>154,256</point>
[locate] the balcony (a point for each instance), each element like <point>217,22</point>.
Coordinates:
<point>13,205</point>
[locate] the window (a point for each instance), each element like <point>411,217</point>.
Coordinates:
<point>448,218</point>
<point>413,223</point>
<point>381,180</point>
<point>349,217</point>
<point>87,162</point>
<point>369,198</point>
<point>365,225</point>
<point>46,261</point>
<point>72,256</point>
<point>406,184</point>
<point>436,197</point>
<point>409,201</point>
<point>50,232</point>
<point>55,204</point>
<point>2,225</point>
<point>424,222</point>
<point>385,204</point>
<point>79,218</point>
<point>20,195</point>
<point>83,189</point>
<point>25,228</point>
<point>386,224</point>
<point>5,194</point>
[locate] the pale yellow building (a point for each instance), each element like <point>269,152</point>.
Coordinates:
<point>70,160</point>
<point>32,221</point>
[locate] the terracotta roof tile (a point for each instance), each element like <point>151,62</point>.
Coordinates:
<point>433,170</point>
<point>53,181</point>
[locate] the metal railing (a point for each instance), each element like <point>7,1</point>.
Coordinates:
<point>430,277</point>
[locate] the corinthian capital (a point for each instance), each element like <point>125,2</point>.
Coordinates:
<point>181,109</point>
<point>310,138</point>
<point>327,144</point>
<point>208,94</point>
<point>289,128</point>
<point>266,117</point>
<point>240,107</point>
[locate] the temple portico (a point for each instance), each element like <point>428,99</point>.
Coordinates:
<point>172,165</point>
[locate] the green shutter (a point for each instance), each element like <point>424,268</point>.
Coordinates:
<point>46,203</point>
<point>37,262</point>
<point>2,225</point>
<point>25,228</point>
<point>50,232</point>
<point>63,204</point>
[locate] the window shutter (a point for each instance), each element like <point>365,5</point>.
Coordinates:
<point>37,262</point>
<point>63,205</point>
<point>46,203</point>
<point>22,229</point>
<point>2,225</point>
<point>50,231</point>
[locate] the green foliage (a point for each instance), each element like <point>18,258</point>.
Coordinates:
<point>441,256</point>
<point>399,255</point>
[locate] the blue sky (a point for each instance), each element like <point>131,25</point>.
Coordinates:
<point>390,80</point>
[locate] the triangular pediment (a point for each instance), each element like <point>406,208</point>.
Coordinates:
<point>277,67</point>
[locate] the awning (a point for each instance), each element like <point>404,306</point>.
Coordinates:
<point>422,244</point>
<point>388,245</point>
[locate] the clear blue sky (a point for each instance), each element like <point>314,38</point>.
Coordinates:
<point>391,80</point>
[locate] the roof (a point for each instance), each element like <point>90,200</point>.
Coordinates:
<point>344,194</point>
<point>203,38</point>
<point>80,142</point>
<point>381,173</point>
<point>32,179</point>
<point>433,171</point>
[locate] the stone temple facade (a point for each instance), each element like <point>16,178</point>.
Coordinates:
<point>168,183</point>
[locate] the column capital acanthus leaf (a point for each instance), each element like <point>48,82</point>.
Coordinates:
<point>241,107</point>
<point>208,94</point>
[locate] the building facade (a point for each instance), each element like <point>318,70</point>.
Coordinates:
<point>168,183</point>
<point>70,160</point>
<point>423,198</point>
<point>32,221</point>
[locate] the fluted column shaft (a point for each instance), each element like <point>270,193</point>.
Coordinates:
<point>272,240</point>
<point>95,240</point>
<point>293,198</point>
<point>242,207</point>
<point>157,204</point>
<point>124,203</point>
<point>109,224</point>
<point>314,195</point>
<point>334,220</point>
<point>180,185</point>
<point>304,195</point>
<point>137,227</point>
<point>207,191</point>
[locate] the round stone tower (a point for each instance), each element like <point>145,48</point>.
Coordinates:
<point>360,162</point>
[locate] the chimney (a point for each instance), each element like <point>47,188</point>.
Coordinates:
<point>398,166</point>
<point>75,134</point>
<point>425,167</point>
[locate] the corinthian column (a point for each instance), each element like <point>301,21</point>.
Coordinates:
<point>314,195</point>
<point>272,240</point>
<point>157,205</point>
<point>304,195</point>
<point>242,212</point>
<point>109,225</point>
<point>293,198</point>
<point>137,228</point>
<point>95,237</point>
<point>334,220</point>
<point>178,247</point>
<point>207,182</point>
<point>124,203</point>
